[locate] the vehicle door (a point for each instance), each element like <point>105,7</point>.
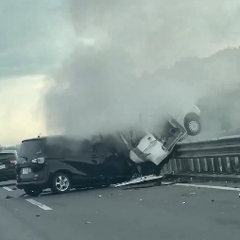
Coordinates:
<point>82,157</point>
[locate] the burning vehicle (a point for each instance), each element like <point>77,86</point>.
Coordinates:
<point>62,163</point>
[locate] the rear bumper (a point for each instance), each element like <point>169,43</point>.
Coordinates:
<point>32,184</point>
<point>38,179</point>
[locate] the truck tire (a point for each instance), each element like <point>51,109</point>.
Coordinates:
<point>192,124</point>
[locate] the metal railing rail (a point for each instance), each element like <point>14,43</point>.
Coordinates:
<point>219,156</point>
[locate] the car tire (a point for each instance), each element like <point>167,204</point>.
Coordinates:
<point>192,124</point>
<point>33,192</point>
<point>61,183</point>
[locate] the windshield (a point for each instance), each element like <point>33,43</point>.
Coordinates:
<point>29,149</point>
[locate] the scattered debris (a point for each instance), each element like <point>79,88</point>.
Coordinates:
<point>140,180</point>
<point>8,196</point>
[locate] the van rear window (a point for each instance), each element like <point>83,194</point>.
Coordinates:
<point>30,148</point>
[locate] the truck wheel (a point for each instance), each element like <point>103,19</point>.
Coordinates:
<point>33,192</point>
<point>61,183</point>
<point>192,124</point>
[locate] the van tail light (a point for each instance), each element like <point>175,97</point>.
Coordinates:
<point>40,160</point>
<point>13,162</point>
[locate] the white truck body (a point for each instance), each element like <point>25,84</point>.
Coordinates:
<point>155,150</point>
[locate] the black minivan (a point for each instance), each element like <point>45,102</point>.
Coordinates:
<point>62,163</point>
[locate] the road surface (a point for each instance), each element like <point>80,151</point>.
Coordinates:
<point>167,212</point>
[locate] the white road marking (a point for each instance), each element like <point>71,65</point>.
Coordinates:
<point>8,189</point>
<point>204,186</point>
<point>42,206</point>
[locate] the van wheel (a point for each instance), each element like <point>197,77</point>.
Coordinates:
<point>61,183</point>
<point>33,192</point>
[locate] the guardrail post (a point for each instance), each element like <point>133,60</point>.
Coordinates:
<point>198,165</point>
<point>220,165</point>
<point>211,164</point>
<point>236,165</point>
<point>179,165</point>
<point>191,163</point>
<point>203,167</point>
<point>185,165</point>
<point>228,165</point>
<point>174,164</point>
<point>216,165</point>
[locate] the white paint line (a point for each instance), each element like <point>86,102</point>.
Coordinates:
<point>42,206</point>
<point>204,186</point>
<point>8,189</point>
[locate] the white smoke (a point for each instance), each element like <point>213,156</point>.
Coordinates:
<point>131,57</point>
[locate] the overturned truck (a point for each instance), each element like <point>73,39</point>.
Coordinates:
<point>61,163</point>
<point>149,151</point>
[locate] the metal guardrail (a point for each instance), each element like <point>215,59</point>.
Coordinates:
<point>219,156</point>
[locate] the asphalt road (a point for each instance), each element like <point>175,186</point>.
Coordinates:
<point>162,212</point>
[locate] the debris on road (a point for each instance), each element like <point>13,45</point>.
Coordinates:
<point>8,196</point>
<point>138,180</point>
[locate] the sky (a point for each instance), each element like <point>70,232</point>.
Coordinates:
<point>35,37</point>
<point>59,58</point>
